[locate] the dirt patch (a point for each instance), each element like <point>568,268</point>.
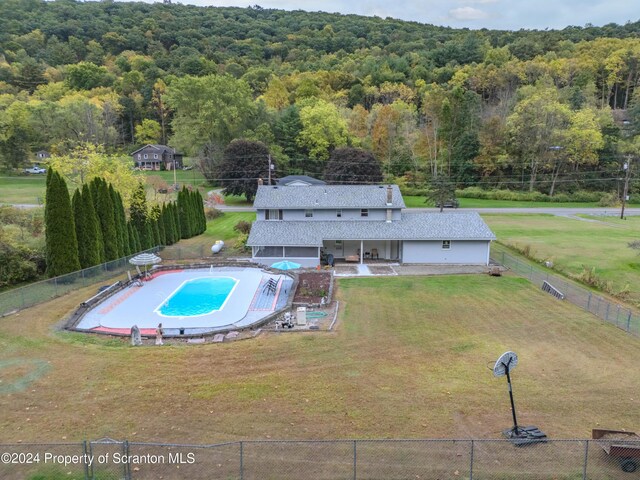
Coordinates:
<point>312,286</point>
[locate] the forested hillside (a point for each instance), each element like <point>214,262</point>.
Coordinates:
<point>534,110</point>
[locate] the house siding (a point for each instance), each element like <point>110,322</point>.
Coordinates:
<point>330,214</point>
<point>462,252</point>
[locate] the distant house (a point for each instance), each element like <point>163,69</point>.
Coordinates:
<point>157,157</point>
<point>298,181</point>
<point>360,222</point>
<point>42,156</point>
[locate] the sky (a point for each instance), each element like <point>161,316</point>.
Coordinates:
<point>473,14</point>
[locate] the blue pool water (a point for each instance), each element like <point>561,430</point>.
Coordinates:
<point>199,296</point>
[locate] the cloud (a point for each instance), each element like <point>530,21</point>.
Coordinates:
<point>481,2</point>
<point>466,14</point>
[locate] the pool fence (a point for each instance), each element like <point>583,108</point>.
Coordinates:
<point>22,297</point>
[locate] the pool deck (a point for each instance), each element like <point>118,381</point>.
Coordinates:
<point>248,303</point>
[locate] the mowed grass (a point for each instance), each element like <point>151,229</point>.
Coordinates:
<point>220,228</point>
<point>410,358</point>
<point>30,189</point>
<point>27,189</point>
<point>574,245</point>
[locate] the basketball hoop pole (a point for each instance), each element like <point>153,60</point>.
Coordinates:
<point>513,406</point>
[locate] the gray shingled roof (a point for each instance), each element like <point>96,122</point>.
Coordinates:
<point>302,178</point>
<point>327,196</point>
<point>412,226</point>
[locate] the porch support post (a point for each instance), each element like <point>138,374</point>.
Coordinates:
<point>361,251</point>
<point>488,252</point>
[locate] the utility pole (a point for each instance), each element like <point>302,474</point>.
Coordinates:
<point>269,174</point>
<point>627,168</point>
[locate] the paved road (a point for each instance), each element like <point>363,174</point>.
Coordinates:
<point>564,212</point>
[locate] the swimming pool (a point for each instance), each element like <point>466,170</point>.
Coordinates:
<point>191,301</point>
<point>198,296</point>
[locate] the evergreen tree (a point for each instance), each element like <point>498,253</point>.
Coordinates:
<point>147,239</point>
<point>61,244</point>
<point>118,224</point>
<point>93,192</point>
<point>107,222</point>
<point>125,228</point>
<point>86,225</point>
<point>155,228</point>
<point>156,212</point>
<point>203,217</point>
<point>183,213</point>
<point>166,222</point>
<point>176,222</point>
<point>133,248</point>
<point>139,215</point>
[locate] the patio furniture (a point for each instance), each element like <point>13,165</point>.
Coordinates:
<point>352,258</point>
<point>374,253</point>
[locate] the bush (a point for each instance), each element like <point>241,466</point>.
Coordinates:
<point>609,200</point>
<point>19,264</point>
<point>241,243</point>
<point>513,195</point>
<point>243,227</point>
<point>212,213</point>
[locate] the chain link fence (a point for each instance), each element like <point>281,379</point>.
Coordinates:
<point>604,308</point>
<point>38,292</point>
<point>322,460</point>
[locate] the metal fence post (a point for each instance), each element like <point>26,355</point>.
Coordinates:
<point>471,463</point>
<point>241,460</point>
<point>85,453</point>
<point>127,464</point>
<point>586,457</point>
<point>589,302</point>
<point>355,460</point>
<point>606,317</point>
<point>629,322</point>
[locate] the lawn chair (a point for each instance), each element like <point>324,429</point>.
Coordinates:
<point>374,253</point>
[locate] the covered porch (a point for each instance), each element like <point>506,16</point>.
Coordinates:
<point>364,251</point>
<point>268,255</point>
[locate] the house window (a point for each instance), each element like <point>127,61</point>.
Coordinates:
<point>364,212</point>
<point>338,244</point>
<point>446,244</point>
<point>308,213</point>
<point>139,157</point>
<point>155,155</point>
<point>273,214</point>
<point>146,156</point>
<point>339,213</point>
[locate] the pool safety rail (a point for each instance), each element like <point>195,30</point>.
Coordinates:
<point>314,460</point>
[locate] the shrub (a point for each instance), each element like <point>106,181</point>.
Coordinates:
<point>241,242</point>
<point>243,227</point>
<point>608,200</point>
<point>213,213</point>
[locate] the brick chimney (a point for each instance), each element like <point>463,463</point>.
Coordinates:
<point>260,182</point>
<point>389,195</point>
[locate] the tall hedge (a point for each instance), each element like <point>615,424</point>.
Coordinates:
<point>61,243</point>
<point>107,222</point>
<point>86,223</point>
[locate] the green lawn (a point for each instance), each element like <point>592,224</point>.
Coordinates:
<point>183,177</point>
<point>575,245</point>
<point>219,229</point>
<point>408,359</point>
<point>419,202</point>
<point>22,189</point>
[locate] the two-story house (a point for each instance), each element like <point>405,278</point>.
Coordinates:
<point>157,157</point>
<point>360,222</point>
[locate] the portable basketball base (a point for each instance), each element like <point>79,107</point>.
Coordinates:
<point>517,435</point>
